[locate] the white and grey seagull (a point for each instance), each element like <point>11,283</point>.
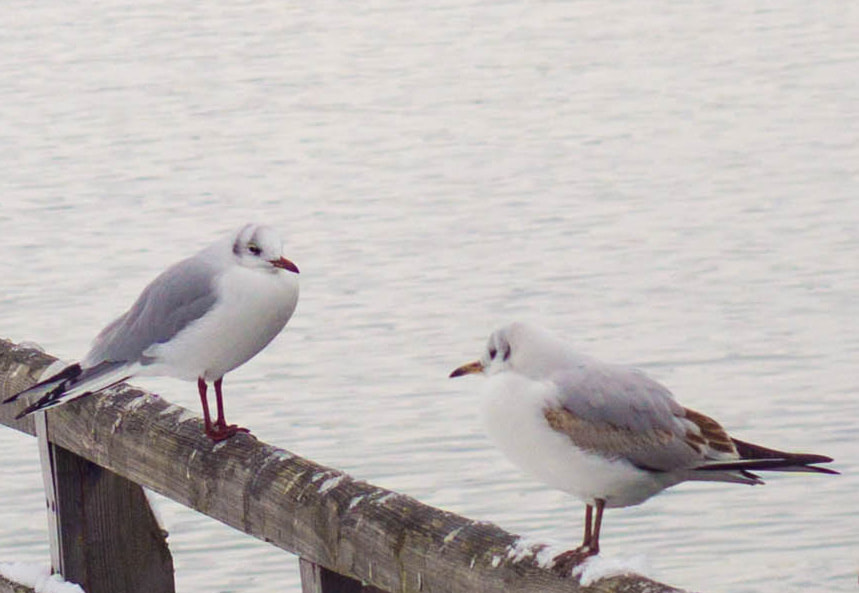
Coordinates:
<point>199,319</point>
<point>605,433</point>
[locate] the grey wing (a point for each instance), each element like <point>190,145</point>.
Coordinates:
<point>619,412</point>
<point>178,296</point>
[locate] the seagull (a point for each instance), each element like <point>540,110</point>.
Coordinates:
<point>199,319</point>
<point>605,433</point>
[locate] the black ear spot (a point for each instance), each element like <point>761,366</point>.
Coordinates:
<point>492,353</point>
<point>506,353</point>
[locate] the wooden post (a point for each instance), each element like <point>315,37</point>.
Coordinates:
<point>103,533</point>
<point>318,579</point>
<point>48,479</point>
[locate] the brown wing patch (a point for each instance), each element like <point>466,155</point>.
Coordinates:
<point>712,433</point>
<point>604,439</point>
<point>695,440</point>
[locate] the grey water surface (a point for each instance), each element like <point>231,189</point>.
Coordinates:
<point>672,185</point>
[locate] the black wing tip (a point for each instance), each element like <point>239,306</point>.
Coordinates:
<point>784,464</point>
<point>51,400</point>
<point>801,458</point>
<point>750,451</point>
<point>45,402</point>
<point>822,470</point>
<point>12,398</point>
<point>69,373</point>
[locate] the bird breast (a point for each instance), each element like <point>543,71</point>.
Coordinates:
<point>251,309</point>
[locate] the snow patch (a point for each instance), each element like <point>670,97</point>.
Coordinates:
<point>281,455</point>
<point>112,390</point>
<point>356,501</point>
<point>330,483</point>
<point>385,498</point>
<point>38,577</point>
<point>137,402</point>
<point>524,548</point>
<point>600,567</point>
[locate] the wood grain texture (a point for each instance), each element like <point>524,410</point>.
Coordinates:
<point>20,367</point>
<point>110,542</point>
<point>318,579</point>
<point>373,535</point>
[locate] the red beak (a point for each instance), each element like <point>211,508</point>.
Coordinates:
<point>284,264</point>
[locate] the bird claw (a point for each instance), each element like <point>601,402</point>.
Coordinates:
<point>564,563</point>
<point>222,432</point>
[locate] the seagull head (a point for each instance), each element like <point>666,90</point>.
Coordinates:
<point>496,356</point>
<point>522,348</point>
<point>259,247</point>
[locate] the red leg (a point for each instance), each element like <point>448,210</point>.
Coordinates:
<point>594,544</point>
<point>219,398</point>
<point>565,562</point>
<point>586,541</point>
<point>222,430</point>
<point>207,420</point>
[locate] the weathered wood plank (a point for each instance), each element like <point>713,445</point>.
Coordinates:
<point>20,367</point>
<point>376,536</point>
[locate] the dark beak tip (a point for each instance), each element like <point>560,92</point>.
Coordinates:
<point>285,264</point>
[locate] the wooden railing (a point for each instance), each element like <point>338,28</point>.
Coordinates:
<point>350,536</point>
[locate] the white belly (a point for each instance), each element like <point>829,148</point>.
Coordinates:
<point>513,415</point>
<point>251,310</point>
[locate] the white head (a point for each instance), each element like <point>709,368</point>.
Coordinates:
<point>258,246</point>
<point>519,347</point>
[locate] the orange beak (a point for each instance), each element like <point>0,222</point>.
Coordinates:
<point>468,369</point>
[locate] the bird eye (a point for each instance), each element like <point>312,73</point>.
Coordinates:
<point>254,249</point>
<point>506,353</point>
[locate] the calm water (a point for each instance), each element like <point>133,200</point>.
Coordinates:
<point>671,185</point>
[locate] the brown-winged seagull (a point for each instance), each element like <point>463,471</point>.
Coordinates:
<point>198,320</point>
<point>605,433</point>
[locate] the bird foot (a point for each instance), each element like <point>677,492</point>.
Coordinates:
<point>221,432</point>
<point>564,563</point>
